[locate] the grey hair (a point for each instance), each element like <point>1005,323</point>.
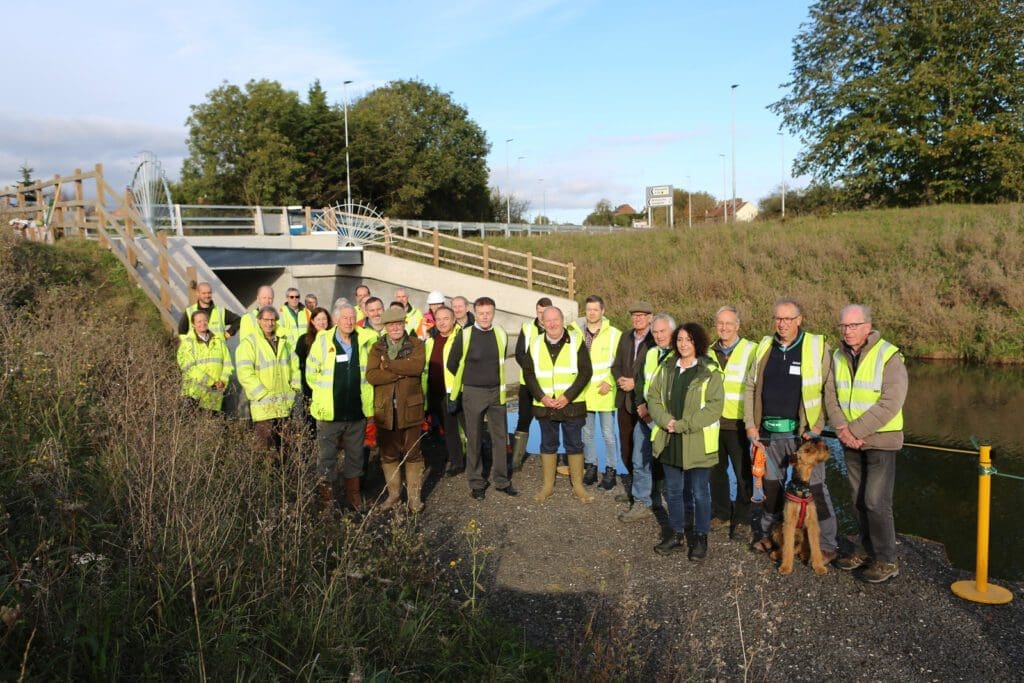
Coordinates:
<point>666,317</point>
<point>339,306</point>
<point>266,309</point>
<point>292,289</point>
<point>730,309</point>
<point>864,309</point>
<point>553,308</point>
<point>789,301</point>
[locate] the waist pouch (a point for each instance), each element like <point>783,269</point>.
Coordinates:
<point>779,424</point>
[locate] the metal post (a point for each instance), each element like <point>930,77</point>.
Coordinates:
<point>689,204</point>
<point>348,171</point>
<point>732,91</point>
<point>782,145</point>
<point>725,200</point>
<point>508,193</point>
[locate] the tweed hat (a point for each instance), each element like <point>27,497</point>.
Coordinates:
<point>641,307</point>
<point>393,315</point>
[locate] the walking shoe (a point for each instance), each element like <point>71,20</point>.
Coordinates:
<point>879,572</point>
<point>478,494</point>
<point>853,561</point>
<point>638,513</point>
<point>509,490</point>
<point>699,549</point>
<point>608,480</point>
<point>454,470</point>
<point>673,543</point>
<point>627,484</point>
<point>590,476</point>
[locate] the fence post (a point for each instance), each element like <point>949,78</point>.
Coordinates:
<point>130,251</point>
<point>165,290</point>
<point>437,248</point>
<point>258,220</point>
<point>529,270</point>
<point>309,220</point>
<point>79,198</point>
<point>571,268</point>
<point>487,261</point>
<point>387,236</point>
<point>980,590</point>
<point>193,284</point>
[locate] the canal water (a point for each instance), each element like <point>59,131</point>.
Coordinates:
<point>936,494</point>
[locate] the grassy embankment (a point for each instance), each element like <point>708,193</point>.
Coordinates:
<point>141,541</point>
<point>943,281</point>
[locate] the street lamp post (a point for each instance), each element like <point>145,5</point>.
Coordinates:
<point>732,92</point>
<point>348,171</point>
<point>725,200</point>
<point>689,205</point>
<point>508,193</point>
<point>544,205</point>
<point>782,146</point>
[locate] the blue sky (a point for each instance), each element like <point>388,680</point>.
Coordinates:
<point>600,98</point>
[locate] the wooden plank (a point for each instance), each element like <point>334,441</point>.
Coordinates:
<point>529,270</point>
<point>436,247</point>
<point>486,261</point>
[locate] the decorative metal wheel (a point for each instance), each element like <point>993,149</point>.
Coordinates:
<point>357,225</point>
<point>151,195</point>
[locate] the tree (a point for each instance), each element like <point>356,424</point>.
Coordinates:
<point>502,205</point>
<point>242,146</point>
<point>416,154</point>
<point>26,180</point>
<point>321,147</point>
<point>601,215</point>
<point>903,102</point>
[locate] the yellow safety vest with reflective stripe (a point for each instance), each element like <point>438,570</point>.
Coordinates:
<point>857,394</point>
<point>712,430</point>
<point>812,353</point>
<point>293,324</point>
<point>734,376</point>
<point>202,365</point>
<point>250,325</point>
<point>270,380</point>
<point>215,316</point>
<point>528,332</point>
<point>502,338</point>
<point>320,366</point>
<point>428,347</point>
<point>555,377</point>
<point>602,354</point>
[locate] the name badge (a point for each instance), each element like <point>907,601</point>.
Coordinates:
<point>343,358</point>
<point>794,369</point>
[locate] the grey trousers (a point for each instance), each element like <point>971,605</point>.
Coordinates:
<point>332,437</point>
<point>476,403</point>
<point>872,476</point>
<point>778,451</point>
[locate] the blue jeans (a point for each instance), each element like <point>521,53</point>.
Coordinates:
<point>642,464</point>
<point>680,485</point>
<point>611,451</point>
<point>570,435</point>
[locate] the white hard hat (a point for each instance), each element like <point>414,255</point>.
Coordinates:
<point>435,297</point>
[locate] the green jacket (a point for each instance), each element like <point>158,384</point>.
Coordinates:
<point>698,425</point>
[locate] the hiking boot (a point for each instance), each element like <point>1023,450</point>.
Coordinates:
<point>590,476</point>
<point>699,549</point>
<point>608,480</point>
<point>638,513</point>
<point>627,485</point>
<point>879,572</point>
<point>673,543</point>
<point>852,561</point>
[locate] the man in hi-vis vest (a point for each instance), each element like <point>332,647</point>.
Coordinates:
<point>782,409</point>
<point>864,397</point>
<point>602,341</point>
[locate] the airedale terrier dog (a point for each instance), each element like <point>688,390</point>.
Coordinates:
<point>798,534</point>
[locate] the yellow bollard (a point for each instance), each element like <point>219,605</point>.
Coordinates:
<point>980,590</point>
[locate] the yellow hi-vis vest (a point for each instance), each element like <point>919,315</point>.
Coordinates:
<point>710,432</point>
<point>859,393</point>
<point>270,380</point>
<point>320,366</point>
<point>293,324</point>
<point>554,378</point>
<point>602,354</point>
<point>528,332</point>
<point>502,338</point>
<point>202,365</point>
<point>734,376</point>
<point>812,352</point>
<point>215,316</point>
<point>428,346</point>
<point>250,325</point>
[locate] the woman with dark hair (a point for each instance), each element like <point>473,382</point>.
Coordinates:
<point>319,320</point>
<point>685,400</point>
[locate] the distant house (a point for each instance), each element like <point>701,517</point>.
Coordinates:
<point>624,210</point>
<point>745,211</point>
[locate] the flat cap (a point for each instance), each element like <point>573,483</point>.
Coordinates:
<point>394,315</point>
<point>641,307</point>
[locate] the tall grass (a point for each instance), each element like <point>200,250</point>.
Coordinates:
<point>944,281</point>
<point>140,539</point>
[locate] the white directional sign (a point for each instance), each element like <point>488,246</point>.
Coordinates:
<point>659,195</point>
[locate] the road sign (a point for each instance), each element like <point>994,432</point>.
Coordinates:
<point>659,195</point>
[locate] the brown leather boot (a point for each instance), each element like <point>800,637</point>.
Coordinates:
<point>414,485</point>
<point>352,495</point>
<point>393,480</point>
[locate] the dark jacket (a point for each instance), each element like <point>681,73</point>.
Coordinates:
<point>397,388</point>
<point>626,364</point>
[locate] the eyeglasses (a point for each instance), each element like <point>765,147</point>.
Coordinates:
<point>293,296</point>
<point>843,327</point>
<point>787,320</point>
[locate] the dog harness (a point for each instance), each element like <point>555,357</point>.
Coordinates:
<point>799,492</point>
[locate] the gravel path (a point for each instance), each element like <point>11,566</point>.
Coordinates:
<point>576,579</point>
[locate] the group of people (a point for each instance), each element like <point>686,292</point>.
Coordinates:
<point>690,410</point>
